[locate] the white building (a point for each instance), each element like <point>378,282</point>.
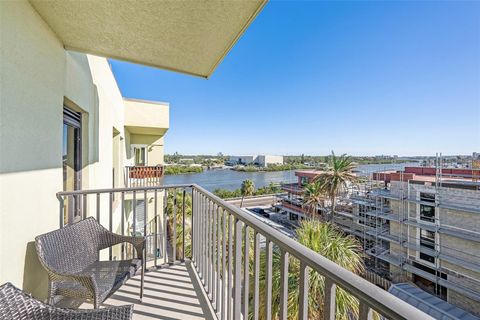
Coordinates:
<point>260,160</point>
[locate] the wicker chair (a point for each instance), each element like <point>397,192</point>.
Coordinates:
<point>70,256</point>
<point>17,305</point>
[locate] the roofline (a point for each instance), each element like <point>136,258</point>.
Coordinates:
<point>147,101</point>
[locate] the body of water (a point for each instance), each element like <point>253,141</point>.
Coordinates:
<point>231,180</point>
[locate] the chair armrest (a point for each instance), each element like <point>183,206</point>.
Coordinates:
<point>137,242</point>
<point>85,279</point>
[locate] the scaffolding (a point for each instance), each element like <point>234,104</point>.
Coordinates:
<point>376,219</point>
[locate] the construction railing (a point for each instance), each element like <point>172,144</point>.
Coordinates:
<point>226,244</point>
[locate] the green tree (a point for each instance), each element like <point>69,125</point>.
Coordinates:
<point>325,239</point>
<point>313,196</point>
<point>247,189</point>
<point>336,178</point>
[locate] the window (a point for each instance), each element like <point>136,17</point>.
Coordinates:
<point>427,240</point>
<point>139,155</point>
<point>71,161</point>
<point>304,181</point>
<point>427,197</point>
<point>427,213</point>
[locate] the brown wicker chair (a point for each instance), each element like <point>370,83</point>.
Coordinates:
<point>17,305</point>
<point>70,256</point>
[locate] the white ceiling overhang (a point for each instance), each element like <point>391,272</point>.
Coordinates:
<point>189,36</point>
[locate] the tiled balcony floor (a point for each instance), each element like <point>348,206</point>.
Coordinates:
<point>170,293</point>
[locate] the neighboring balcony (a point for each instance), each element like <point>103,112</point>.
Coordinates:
<point>292,188</point>
<point>143,176</point>
<point>207,259</point>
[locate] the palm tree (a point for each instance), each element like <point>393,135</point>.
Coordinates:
<point>180,231</point>
<point>313,196</point>
<point>336,178</point>
<point>325,239</point>
<point>247,189</point>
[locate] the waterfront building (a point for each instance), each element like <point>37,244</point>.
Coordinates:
<point>258,160</point>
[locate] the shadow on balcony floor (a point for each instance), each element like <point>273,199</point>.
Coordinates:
<point>171,293</point>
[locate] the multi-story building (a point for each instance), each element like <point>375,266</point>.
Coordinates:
<point>420,225</point>
<point>433,237</point>
<point>259,160</point>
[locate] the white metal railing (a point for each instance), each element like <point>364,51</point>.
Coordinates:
<point>220,236</point>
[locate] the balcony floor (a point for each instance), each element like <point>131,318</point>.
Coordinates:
<point>170,293</point>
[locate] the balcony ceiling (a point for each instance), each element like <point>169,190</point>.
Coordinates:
<point>186,36</point>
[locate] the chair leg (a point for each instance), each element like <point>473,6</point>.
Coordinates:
<point>51,289</point>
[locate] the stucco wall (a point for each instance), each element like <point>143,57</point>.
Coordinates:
<point>37,77</point>
<point>32,69</point>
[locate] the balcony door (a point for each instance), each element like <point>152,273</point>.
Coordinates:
<point>139,152</point>
<point>72,162</point>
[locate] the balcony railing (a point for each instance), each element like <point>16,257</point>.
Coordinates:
<point>143,176</point>
<point>192,223</point>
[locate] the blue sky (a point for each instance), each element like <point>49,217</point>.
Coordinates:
<point>362,78</point>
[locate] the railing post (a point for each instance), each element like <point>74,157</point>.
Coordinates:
<point>193,241</point>
<point>110,222</point>
<point>214,254</point>
<point>165,228</point>
<point>84,206</point>
<point>134,216</point>
<point>183,225</point>
<point>208,278</point>
<point>223,308</point>
<point>155,212</point>
<point>284,285</point>
<point>246,274</point>
<point>203,242</point>
<point>122,223</point>
<point>268,280</point>
<point>98,207</point>
<point>329,305</point>
<point>174,224</point>
<point>62,210</point>
<point>256,280</point>
<point>230,265</point>
<point>218,279</point>
<point>303,290</point>
<point>364,311</point>
<point>237,295</point>
<point>145,221</point>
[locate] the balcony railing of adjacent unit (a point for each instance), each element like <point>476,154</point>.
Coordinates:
<point>143,176</point>
<point>192,223</point>
<point>292,187</point>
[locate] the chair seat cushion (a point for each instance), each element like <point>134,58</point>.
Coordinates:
<point>109,276</point>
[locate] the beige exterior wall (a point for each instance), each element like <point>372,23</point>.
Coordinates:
<point>32,87</point>
<point>37,77</point>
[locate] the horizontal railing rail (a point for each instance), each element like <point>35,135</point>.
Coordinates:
<point>225,244</point>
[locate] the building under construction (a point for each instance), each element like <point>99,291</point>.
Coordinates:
<point>419,225</point>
